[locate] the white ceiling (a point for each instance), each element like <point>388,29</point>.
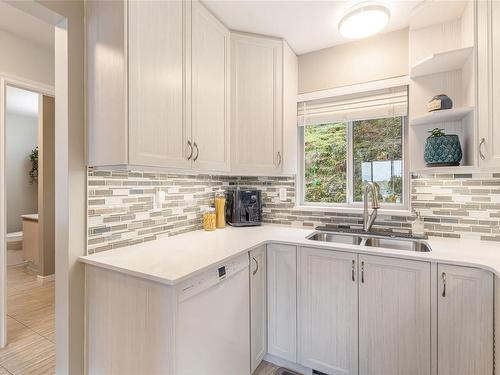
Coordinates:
<point>26,26</point>
<point>306,25</point>
<point>21,102</point>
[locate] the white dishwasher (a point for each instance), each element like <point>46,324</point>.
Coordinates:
<point>213,321</point>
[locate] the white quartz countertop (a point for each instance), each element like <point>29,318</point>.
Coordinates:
<point>170,260</point>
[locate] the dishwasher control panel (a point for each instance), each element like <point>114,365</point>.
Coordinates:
<point>211,277</point>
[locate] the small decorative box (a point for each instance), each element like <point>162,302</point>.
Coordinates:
<point>439,102</point>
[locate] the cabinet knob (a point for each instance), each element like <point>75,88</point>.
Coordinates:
<point>363,272</point>
<point>481,155</point>
<point>197,151</point>
<point>352,270</point>
<point>279,158</point>
<point>191,150</point>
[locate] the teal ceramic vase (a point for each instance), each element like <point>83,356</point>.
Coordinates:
<point>443,151</point>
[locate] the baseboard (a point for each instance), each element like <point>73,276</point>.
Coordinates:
<point>289,365</point>
<point>46,278</point>
<point>23,264</point>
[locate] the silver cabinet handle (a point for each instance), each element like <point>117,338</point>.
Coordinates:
<point>191,150</point>
<point>363,272</point>
<point>257,266</point>
<point>197,151</point>
<point>279,158</point>
<point>481,155</point>
<point>443,277</point>
<point>352,270</point>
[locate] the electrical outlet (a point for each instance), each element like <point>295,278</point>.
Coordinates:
<point>282,194</point>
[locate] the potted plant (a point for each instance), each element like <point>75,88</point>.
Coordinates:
<point>33,173</point>
<point>442,149</point>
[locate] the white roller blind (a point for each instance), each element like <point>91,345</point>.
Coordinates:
<point>390,102</point>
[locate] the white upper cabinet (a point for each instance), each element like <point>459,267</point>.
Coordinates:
<point>172,58</point>
<point>394,316</point>
<point>106,92</point>
<point>210,91</point>
<point>257,104</point>
<point>158,132</point>
<point>328,311</point>
<point>465,321</point>
<point>489,83</point>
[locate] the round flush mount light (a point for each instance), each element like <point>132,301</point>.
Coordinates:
<point>364,20</point>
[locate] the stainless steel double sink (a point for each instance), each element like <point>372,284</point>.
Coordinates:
<point>371,239</point>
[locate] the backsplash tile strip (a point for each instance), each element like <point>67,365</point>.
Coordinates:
<point>120,206</point>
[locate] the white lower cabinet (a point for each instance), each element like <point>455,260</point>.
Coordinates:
<point>465,321</point>
<point>258,306</point>
<point>328,311</point>
<point>282,301</point>
<point>394,316</point>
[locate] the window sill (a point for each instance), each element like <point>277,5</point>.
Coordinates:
<point>354,210</point>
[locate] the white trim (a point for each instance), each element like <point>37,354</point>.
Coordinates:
<point>355,89</point>
<point>46,278</point>
<point>403,209</point>
<point>43,89</point>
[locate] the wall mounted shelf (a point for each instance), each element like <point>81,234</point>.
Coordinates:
<point>441,62</point>
<point>445,115</point>
<point>460,169</point>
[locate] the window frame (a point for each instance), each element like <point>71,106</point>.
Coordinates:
<point>350,204</point>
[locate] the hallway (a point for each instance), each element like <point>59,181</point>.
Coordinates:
<point>31,325</point>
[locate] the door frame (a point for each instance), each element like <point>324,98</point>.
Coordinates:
<point>41,89</point>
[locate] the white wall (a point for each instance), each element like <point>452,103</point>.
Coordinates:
<point>22,137</point>
<point>379,57</point>
<point>23,58</point>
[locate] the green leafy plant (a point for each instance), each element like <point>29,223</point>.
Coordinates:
<point>436,132</point>
<point>33,173</point>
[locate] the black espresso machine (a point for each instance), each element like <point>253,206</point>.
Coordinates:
<point>243,207</point>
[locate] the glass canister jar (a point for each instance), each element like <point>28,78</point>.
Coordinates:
<point>220,208</point>
<point>209,219</point>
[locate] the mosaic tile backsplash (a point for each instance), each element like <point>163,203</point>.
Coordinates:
<point>120,206</point>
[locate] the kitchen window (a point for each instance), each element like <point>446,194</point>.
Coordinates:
<point>349,141</point>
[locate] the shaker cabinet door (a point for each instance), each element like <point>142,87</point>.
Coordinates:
<point>209,91</point>
<point>394,316</point>
<point>258,306</point>
<point>465,321</point>
<point>328,311</point>
<point>282,301</point>
<point>488,34</point>
<point>257,109</point>
<point>158,131</point>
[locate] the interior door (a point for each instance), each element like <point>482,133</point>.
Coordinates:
<point>158,131</point>
<point>394,316</point>
<point>209,91</point>
<point>465,321</point>
<point>328,311</point>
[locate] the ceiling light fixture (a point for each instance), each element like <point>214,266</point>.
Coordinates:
<point>363,20</point>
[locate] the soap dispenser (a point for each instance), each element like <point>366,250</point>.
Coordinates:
<point>417,227</point>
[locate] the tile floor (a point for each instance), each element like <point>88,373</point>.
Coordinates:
<point>30,325</point>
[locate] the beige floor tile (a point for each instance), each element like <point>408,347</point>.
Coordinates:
<point>31,325</point>
<point>265,368</point>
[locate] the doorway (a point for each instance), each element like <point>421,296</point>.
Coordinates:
<point>28,124</point>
